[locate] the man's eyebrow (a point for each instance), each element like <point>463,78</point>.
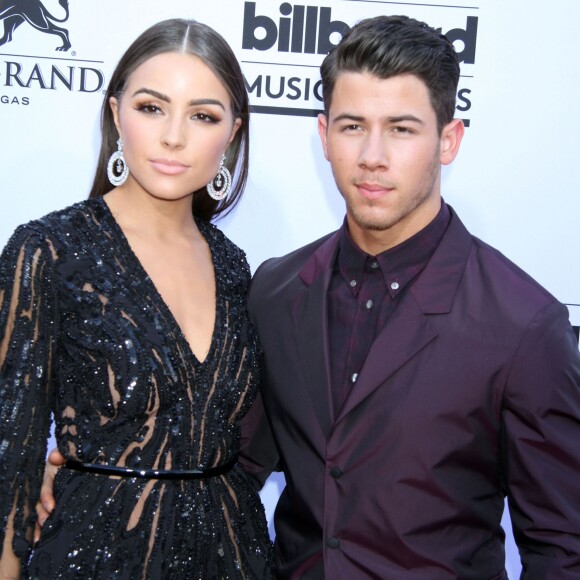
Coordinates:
<point>402,118</point>
<point>165,98</point>
<point>391,119</point>
<point>348,117</point>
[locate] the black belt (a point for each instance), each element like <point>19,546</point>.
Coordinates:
<point>198,473</point>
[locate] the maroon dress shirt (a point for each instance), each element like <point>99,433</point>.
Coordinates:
<point>364,291</point>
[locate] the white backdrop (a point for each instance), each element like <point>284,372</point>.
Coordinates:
<point>514,183</point>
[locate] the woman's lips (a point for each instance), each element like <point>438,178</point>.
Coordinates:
<point>168,166</point>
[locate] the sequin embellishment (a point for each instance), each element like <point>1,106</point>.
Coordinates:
<point>86,337</point>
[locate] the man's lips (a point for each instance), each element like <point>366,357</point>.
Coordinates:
<point>168,166</point>
<point>372,190</point>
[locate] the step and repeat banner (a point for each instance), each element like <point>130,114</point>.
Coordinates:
<point>514,183</point>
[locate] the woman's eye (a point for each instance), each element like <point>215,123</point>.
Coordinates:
<point>205,117</point>
<point>148,108</point>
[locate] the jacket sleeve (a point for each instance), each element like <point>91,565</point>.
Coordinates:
<point>28,321</point>
<point>541,447</point>
<point>258,451</point>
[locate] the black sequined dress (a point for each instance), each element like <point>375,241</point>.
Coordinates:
<point>86,336</point>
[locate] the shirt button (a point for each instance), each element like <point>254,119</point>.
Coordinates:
<point>394,285</point>
<point>369,304</point>
<point>336,472</point>
<point>353,283</point>
<point>333,543</point>
<point>374,264</point>
<point>354,377</point>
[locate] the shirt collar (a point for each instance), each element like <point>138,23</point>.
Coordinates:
<point>399,265</point>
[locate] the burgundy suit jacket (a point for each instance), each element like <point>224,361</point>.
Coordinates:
<point>470,393</point>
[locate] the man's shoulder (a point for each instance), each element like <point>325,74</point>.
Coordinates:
<point>487,272</point>
<point>506,276</point>
<point>290,264</point>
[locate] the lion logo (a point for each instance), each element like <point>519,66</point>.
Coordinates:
<point>15,12</point>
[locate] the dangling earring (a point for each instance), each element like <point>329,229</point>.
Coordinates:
<point>220,186</point>
<point>121,172</point>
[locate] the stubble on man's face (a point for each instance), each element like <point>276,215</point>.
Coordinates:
<point>367,214</point>
<point>382,140</point>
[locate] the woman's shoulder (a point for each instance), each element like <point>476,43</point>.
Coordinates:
<point>72,215</point>
<point>227,256</point>
<point>219,242</point>
<point>57,229</point>
<point>59,224</point>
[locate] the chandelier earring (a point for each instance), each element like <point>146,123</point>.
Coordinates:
<point>220,186</point>
<point>117,169</point>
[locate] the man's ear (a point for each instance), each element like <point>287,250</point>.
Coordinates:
<point>450,140</point>
<point>322,131</point>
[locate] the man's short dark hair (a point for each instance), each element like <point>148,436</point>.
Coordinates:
<point>386,46</point>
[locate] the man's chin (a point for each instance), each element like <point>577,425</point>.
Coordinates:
<point>372,223</point>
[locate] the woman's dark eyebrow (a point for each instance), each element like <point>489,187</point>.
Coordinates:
<point>165,98</point>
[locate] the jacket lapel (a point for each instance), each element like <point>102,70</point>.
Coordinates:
<point>407,332</point>
<point>309,314</point>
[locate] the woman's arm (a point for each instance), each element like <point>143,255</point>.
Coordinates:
<point>28,326</point>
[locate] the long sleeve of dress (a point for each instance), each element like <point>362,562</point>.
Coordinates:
<point>28,322</point>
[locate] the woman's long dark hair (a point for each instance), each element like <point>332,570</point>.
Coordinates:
<point>190,37</point>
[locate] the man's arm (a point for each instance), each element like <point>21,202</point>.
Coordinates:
<point>258,452</point>
<point>541,447</point>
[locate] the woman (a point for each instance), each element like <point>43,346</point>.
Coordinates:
<point>125,316</point>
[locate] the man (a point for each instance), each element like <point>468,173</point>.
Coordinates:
<point>414,377</point>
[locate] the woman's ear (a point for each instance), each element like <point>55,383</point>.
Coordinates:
<point>114,104</point>
<point>237,125</point>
